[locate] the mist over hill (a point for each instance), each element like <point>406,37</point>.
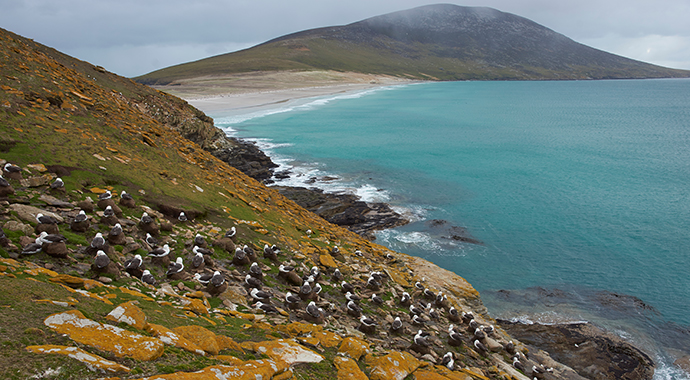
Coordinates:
<point>434,42</point>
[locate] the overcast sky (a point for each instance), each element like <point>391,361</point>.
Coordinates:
<point>134,37</point>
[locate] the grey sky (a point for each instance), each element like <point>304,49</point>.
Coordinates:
<point>134,37</point>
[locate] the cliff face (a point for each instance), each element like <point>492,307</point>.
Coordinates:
<point>81,294</point>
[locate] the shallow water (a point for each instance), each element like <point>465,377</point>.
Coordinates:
<point>581,186</point>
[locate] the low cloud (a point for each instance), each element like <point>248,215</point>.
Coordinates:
<point>134,60</point>
<point>134,37</point>
<point>668,51</point>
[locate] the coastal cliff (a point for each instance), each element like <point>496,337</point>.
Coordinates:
<point>70,311</point>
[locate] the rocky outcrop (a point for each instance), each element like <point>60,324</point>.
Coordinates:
<point>592,352</point>
<point>345,210</point>
<point>94,362</point>
<point>121,343</point>
<point>396,365</point>
<point>246,157</point>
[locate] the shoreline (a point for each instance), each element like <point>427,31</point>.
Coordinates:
<point>266,99</point>
<point>270,99</point>
<point>249,91</point>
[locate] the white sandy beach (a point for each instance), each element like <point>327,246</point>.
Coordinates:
<point>249,92</point>
<point>250,101</point>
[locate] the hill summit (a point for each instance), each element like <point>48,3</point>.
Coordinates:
<point>433,42</point>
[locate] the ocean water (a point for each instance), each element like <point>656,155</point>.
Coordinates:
<point>579,191</point>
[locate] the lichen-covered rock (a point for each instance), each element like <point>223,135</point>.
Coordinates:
<point>121,343</point>
<point>327,261</point>
<point>172,338</point>
<point>348,369</point>
<point>328,339</point>
<point>94,362</point>
<point>227,343</point>
<point>396,365</point>
<point>201,337</point>
<point>128,313</point>
<point>298,328</point>
<point>440,373</point>
<point>286,350</point>
<point>249,370</point>
<point>41,270</point>
<point>71,281</point>
<point>194,305</point>
<point>353,347</point>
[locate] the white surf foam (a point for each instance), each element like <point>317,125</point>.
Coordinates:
<point>666,370</point>
<point>304,104</point>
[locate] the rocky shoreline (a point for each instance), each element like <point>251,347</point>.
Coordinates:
<point>345,210</point>
<point>592,352</point>
<point>616,358</point>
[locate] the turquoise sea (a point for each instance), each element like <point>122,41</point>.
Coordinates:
<point>579,190</point>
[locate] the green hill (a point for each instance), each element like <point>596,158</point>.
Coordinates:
<point>434,42</point>
<point>63,317</point>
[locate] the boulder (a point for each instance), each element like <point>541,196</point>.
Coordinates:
<point>227,343</point>
<point>348,369</point>
<point>52,201</point>
<point>13,225</point>
<point>172,338</point>
<point>285,350</point>
<point>119,342</point>
<point>28,213</point>
<point>36,181</point>
<point>71,281</point>
<point>128,313</point>
<point>94,362</point>
<point>683,363</point>
<point>251,369</point>
<point>354,348</point>
<point>199,336</point>
<point>396,365</point>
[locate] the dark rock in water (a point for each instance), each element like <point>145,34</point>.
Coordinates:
<point>450,232</point>
<point>683,363</point>
<point>592,352</point>
<point>246,157</point>
<point>345,210</point>
<point>282,174</point>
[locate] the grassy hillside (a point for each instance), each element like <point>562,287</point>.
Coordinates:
<point>63,117</point>
<point>435,42</point>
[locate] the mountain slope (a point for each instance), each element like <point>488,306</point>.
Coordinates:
<point>64,117</point>
<point>440,42</point>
